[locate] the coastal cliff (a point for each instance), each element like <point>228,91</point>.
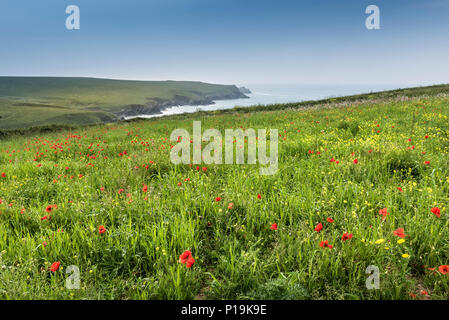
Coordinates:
<point>40,101</point>
<point>157,105</point>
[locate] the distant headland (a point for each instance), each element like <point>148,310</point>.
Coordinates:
<point>37,101</point>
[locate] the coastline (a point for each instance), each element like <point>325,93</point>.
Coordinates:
<point>156,106</point>
<point>261,95</point>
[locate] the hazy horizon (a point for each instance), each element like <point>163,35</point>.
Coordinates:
<point>239,84</point>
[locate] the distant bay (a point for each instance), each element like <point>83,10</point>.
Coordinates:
<point>273,94</point>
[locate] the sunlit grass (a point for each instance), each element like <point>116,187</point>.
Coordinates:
<point>237,255</point>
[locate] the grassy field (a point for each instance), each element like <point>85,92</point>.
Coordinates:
<point>108,200</point>
<point>38,101</point>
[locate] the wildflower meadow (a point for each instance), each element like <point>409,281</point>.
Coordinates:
<point>100,212</point>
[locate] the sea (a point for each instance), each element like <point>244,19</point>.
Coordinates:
<point>272,94</point>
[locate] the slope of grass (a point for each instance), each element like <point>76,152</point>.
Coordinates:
<point>37,101</point>
<point>96,177</point>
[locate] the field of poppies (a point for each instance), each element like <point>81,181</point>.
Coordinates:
<point>359,184</point>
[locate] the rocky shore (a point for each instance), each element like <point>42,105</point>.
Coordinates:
<point>157,105</point>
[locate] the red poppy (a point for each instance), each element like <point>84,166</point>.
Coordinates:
<point>190,262</point>
<point>423,292</point>
<point>330,220</point>
<point>185,256</point>
<point>230,205</point>
<point>444,269</point>
<point>51,207</point>
<point>319,227</point>
<point>427,162</point>
<point>384,213</point>
<point>217,199</point>
<point>3,175</point>
<point>346,236</point>
<point>145,188</point>
<point>436,211</point>
<point>325,244</point>
<point>55,266</point>
<point>101,229</point>
<point>274,226</point>
<point>259,196</point>
<point>399,232</point>
<point>400,189</point>
<point>356,161</point>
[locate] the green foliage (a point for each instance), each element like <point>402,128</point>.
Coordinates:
<point>282,288</point>
<point>403,163</point>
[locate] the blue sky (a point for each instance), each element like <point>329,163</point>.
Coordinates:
<point>229,41</point>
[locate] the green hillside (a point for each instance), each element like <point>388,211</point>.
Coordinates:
<point>37,101</point>
<point>359,183</point>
